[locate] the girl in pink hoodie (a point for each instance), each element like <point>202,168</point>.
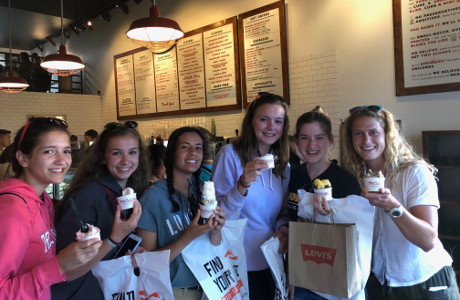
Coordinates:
<point>28,262</point>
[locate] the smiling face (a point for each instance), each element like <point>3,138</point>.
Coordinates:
<point>268,125</point>
<point>368,138</point>
<point>122,157</point>
<point>188,155</point>
<point>313,143</point>
<point>48,162</point>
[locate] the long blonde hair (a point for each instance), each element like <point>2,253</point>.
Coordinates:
<point>398,153</point>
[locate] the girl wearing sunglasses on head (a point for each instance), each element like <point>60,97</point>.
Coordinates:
<point>116,161</point>
<point>408,261</point>
<point>40,155</point>
<point>247,188</point>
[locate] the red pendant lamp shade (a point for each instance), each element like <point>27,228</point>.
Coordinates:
<point>62,64</point>
<point>12,84</point>
<point>155,33</point>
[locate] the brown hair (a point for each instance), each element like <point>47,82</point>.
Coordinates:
<point>246,144</point>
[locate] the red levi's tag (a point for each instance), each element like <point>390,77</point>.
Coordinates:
<point>318,254</point>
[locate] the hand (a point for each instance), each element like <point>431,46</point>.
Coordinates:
<point>283,235</point>
<point>139,249</point>
<point>219,217</point>
<point>321,205</point>
<point>77,254</point>
<point>195,229</point>
<point>121,229</point>
<point>251,171</point>
<point>383,199</point>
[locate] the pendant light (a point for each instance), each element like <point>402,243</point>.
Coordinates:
<point>155,33</point>
<point>12,84</point>
<point>62,64</point>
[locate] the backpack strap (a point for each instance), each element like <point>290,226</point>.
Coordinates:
<point>109,193</point>
<point>9,193</point>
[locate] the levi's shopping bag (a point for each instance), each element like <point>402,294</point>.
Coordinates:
<point>118,280</point>
<point>323,258</point>
<point>221,270</point>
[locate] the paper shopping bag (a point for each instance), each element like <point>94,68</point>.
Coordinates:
<point>221,270</point>
<point>119,279</point>
<point>323,258</point>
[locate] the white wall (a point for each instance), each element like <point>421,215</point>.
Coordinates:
<point>81,112</point>
<point>358,33</point>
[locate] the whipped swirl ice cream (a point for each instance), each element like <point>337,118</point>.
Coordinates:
<point>92,233</point>
<point>208,200</point>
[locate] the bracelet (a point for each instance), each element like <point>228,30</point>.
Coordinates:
<point>112,242</point>
<point>241,183</point>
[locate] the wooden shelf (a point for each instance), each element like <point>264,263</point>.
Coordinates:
<point>449,201</point>
<point>441,147</point>
<point>449,237</point>
<point>451,168</point>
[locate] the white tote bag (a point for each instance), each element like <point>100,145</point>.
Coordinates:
<point>276,263</point>
<point>221,270</point>
<point>118,279</point>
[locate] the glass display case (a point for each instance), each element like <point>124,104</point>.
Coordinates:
<point>442,149</point>
<point>56,191</point>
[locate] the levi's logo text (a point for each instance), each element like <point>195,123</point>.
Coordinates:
<point>318,254</point>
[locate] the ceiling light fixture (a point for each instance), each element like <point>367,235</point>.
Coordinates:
<point>10,83</point>
<point>124,8</point>
<point>62,64</point>
<point>155,33</point>
<point>105,16</point>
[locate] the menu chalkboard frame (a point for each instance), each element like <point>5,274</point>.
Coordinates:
<point>283,48</point>
<point>236,76</point>
<point>400,70</point>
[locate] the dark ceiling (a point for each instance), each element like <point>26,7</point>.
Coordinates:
<point>32,21</point>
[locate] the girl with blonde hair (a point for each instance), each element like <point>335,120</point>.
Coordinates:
<point>408,261</point>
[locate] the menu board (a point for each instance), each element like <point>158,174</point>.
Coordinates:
<point>219,48</point>
<point>202,72</point>
<point>191,72</point>
<point>126,97</point>
<point>144,80</point>
<point>199,74</point>
<point>427,46</point>
<point>166,83</point>
<point>263,52</point>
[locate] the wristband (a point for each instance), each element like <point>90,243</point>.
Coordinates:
<point>241,183</point>
<point>112,242</point>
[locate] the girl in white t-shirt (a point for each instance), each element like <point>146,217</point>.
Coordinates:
<point>409,261</point>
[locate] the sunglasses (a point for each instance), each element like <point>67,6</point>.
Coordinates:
<point>269,95</point>
<point>372,108</point>
<point>116,125</point>
<point>42,121</point>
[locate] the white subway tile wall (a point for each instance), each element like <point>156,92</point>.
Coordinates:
<point>82,112</point>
